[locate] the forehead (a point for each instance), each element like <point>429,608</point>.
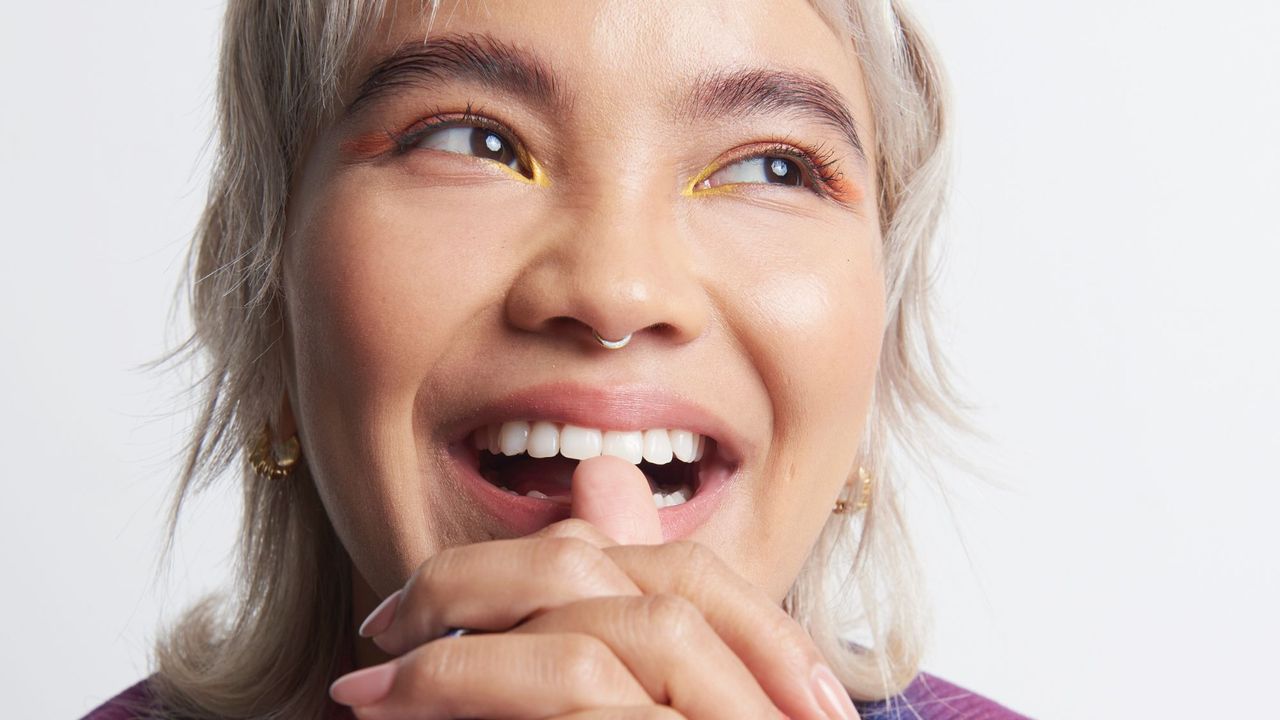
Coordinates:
<point>640,57</point>
<point>617,36</point>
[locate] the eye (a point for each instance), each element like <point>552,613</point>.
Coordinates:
<point>481,142</point>
<point>792,163</point>
<point>763,169</point>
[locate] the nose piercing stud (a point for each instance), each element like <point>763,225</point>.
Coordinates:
<point>612,344</point>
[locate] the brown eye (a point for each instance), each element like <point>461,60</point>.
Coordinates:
<point>479,142</point>
<point>761,170</point>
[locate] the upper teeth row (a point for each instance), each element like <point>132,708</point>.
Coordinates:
<point>543,439</point>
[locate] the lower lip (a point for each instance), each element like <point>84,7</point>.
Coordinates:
<point>523,515</point>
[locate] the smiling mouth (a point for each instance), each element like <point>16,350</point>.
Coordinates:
<point>537,459</point>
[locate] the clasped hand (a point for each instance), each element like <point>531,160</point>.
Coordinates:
<point>590,621</point>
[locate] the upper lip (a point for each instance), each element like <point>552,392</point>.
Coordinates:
<point>628,407</point>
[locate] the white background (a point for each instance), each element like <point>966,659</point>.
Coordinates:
<point>1110,298</point>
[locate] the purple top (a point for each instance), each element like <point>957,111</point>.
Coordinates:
<point>927,698</point>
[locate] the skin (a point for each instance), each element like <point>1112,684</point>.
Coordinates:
<point>418,285</point>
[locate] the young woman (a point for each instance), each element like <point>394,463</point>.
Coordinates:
<point>562,346</point>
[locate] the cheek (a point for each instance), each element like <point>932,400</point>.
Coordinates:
<point>823,330</point>
<point>810,305</point>
<point>377,284</point>
<point>379,287</point>
<point>812,318</point>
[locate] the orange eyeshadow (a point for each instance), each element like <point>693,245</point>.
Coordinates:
<point>368,146</point>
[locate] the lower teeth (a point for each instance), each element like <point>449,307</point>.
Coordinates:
<point>678,496</point>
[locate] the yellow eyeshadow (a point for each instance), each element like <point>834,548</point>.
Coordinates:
<point>706,173</point>
<point>726,189</point>
<point>732,188</point>
<point>539,174</point>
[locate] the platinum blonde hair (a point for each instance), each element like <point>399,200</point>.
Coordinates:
<point>269,647</point>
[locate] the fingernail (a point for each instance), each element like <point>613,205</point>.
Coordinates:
<point>831,694</point>
<point>380,618</point>
<point>363,687</point>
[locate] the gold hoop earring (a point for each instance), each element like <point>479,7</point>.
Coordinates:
<point>272,463</point>
<point>864,495</point>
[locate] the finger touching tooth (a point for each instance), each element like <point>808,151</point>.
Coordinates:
<point>613,495</point>
<point>627,445</point>
<point>579,443</point>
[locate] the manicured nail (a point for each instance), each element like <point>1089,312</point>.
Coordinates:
<point>831,694</point>
<point>380,618</point>
<point>363,687</point>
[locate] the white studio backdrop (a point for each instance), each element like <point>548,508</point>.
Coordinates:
<point>1109,295</point>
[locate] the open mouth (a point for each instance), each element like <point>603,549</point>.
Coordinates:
<point>537,459</point>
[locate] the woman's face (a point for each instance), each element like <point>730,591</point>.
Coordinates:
<point>685,172</point>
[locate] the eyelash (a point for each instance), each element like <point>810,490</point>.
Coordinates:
<point>403,142</point>
<point>816,162</point>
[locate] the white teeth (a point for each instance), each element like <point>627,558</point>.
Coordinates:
<point>627,445</point>
<point>544,440</point>
<point>579,443</point>
<point>657,446</point>
<point>514,437</point>
<point>677,497</point>
<point>536,494</point>
<point>682,445</point>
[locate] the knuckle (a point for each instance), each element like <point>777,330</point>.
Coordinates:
<point>426,670</point>
<point>694,562</point>
<point>780,628</point>
<point>668,618</point>
<point>568,558</point>
<point>787,642</point>
<point>432,576</point>
<point>583,661</point>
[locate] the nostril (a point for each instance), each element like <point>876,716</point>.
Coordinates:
<point>570,327</point>
<point>663,329</point>
<point>608,339</point>
<point>566,323</point>
<point>605,333</point>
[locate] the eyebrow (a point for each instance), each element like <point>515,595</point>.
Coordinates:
<point>753,91</point>
<point>488,61</point>
<point>478,58</point>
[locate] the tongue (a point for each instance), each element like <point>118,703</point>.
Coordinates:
<point>614,495</point>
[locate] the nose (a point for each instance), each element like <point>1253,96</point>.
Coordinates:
<point>617,265</point>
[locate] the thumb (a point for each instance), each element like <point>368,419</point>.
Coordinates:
<point>613,495</point>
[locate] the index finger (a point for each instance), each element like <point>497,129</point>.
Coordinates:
<point>578,529</point>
